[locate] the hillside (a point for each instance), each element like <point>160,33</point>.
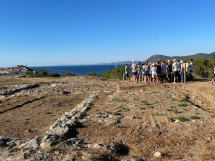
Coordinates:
<point>158,57</point>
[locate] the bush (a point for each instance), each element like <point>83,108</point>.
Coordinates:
<point>54,74</point>
<point>92,74</point>
<point>42,73</point>
<point>68,74</point>
<point>116,73</point>
<point>181,118</point>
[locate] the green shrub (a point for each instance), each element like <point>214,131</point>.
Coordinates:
<point>42,73</point>
<point>49,150</point>
<point>115,113</point>
<point>195,117</point>
<point>182,100</point>
<point>182,104</point>
<point>68,74</point>
<point>118,126</point>
<point>54,74</point>
<point>92,74</point>
<point>175,111</point>
<point>181,118</point>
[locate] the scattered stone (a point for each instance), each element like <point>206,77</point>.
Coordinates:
<point>31,144</point>
<point>1,140</point>
<point>169,119</point>
<point>157,154</point>
<point>63,145</point>
<point>79,142</point>
<point>130,116</point>
<point>47,141</point>
<point>11,145</point>
<point>73,140</point>
<point>97,145</point>
<point>137,159</point>
<point>64,124</point>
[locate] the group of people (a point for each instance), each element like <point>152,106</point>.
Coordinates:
<point>158,72</point>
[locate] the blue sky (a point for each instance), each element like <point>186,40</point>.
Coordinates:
<point>52,32</point>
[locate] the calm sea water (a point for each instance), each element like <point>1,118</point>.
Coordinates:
<point>78,70</point>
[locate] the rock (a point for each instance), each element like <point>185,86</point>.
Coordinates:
<point>63,145</point>
<point>97,145</point>
<point>73,140</point>
<point>169,119</point>
<point>1,140</point>
<point>47,141</point>
<point>157,154</point>
<point>31,144</point>
<point>137,159</point>
<point>11,145</point>
<point>79,142</point>
<point>130,116</point>
<point>63,125</point>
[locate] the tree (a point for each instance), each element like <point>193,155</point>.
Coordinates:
<point>42,73</point>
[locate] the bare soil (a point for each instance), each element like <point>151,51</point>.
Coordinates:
<point>140,109</point>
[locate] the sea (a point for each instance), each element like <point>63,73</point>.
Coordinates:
<point>78,70</point>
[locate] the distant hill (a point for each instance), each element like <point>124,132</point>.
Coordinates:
<point>155,58</point>
<point>158,57</point>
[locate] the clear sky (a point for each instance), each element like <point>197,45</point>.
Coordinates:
<point>53,32</point>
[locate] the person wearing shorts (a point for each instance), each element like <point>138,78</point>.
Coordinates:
<point>134,70</point>
<point>175,71</point>
<point>154,74</point>
<point>146,72</point>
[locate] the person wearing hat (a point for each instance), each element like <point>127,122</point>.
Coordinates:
<point>182,71</point>
<point>175,71</point>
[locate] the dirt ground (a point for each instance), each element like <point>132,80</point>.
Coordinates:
<point>127,114</point>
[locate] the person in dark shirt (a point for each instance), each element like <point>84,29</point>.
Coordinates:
<point>158,71</point>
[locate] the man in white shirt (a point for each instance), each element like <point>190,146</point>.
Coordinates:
<point>191,68</point>
<point>175,70</point>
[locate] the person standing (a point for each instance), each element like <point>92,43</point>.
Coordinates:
<point>175,71</point>
<point>158,71</point>
<point>191,69</point>
<point>139,67</point>
<point>182,71</point>
<point>134,70</point>
<point>146,72</point>
<point>154,74</point>
<point>179,70</point>
<point>163,71</point>
<point>213,72</point>
<point>126,72</point>
<point>143,72</point>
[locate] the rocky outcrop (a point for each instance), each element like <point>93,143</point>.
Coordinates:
<point>64,124</point>
<point>16,89</point>
<point>31,144</point>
